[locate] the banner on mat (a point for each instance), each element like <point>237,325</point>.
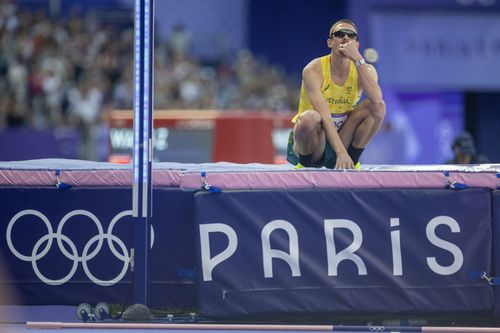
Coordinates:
<point>72,246</point>
<point>343,251</point>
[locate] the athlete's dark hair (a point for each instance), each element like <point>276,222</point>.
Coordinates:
<point>344,20</point>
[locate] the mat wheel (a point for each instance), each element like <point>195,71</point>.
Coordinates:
<point>84,312</point>
<point>102,311</point>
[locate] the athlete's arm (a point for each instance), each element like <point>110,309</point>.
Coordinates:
<point>367,74</point>
<point>312,77</point>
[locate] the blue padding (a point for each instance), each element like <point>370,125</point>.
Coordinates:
<point>215,189</point>
<point>482,275</point>
<point>206,186</point>
<point>451,184</point>
<point>398,251</point>
<point>458,186</point>
<point>186,273</point>
<point>476,274</point>
<point>61,185</point>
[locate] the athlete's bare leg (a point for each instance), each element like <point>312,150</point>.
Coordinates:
<point>362,124</point>
<point>309,136</point>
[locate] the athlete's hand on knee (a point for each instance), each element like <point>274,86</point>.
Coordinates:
<point>344,161</point>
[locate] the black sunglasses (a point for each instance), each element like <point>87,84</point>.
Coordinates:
<point>342,32</point>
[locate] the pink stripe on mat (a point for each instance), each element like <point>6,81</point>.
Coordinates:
<point>335,179</point>
<point>90,178</point>
<point>248,176</point>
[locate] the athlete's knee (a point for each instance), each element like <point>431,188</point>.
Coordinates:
<point>310,116</point>
<point>306,133</point>
<point>378,110</point>
<point>308,121</point>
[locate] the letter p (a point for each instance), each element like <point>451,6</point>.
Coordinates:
<point>208,262</point>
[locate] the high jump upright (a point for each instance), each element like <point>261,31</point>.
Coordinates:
<point>143,150</point>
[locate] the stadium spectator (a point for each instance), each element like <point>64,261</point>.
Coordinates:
<point>464,151</point>
<point>46,65</point>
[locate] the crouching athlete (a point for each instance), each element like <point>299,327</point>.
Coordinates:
<point>331,128</point>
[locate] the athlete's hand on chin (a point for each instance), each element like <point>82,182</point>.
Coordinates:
<point>348,49</point>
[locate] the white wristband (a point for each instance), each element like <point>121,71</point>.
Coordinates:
<point>359,62</point>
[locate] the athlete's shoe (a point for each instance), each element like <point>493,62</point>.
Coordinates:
<point>357,166</point>
<point>298,166</point>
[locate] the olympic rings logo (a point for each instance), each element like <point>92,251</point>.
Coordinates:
<point>37,253</point>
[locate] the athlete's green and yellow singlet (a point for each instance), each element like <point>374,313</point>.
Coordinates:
<point>341,99</point>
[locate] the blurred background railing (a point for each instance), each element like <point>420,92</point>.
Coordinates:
<point>66,74</point>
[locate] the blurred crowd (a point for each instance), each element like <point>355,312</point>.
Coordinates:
<point>70,71</point>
